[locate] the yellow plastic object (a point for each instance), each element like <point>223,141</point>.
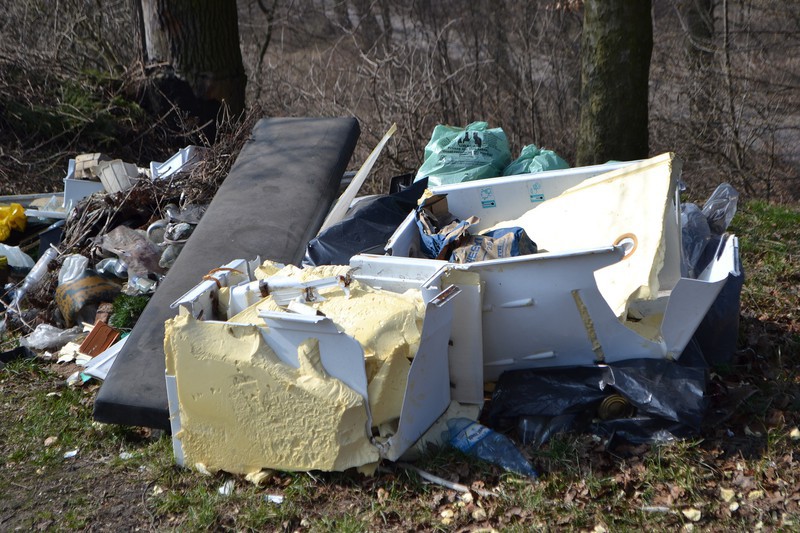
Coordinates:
<point>11,217</point>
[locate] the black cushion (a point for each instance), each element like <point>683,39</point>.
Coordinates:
<point>271,204</point>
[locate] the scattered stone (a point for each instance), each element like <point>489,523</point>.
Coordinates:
<point>692,514</point>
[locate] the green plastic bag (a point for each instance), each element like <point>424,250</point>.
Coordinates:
<point>454,154</point>
<point>533,159</point>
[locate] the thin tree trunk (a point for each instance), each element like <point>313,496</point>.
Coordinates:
<point>615,66</point>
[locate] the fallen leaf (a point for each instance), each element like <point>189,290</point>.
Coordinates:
<point>692,514</point>
<point>49,441</point>
<point>479,515</point>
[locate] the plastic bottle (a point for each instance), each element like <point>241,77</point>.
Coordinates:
<point>35,276</point>
<point>475,439</point>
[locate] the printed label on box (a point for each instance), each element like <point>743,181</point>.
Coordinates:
<point>535,192</point>
<point>487,198</point>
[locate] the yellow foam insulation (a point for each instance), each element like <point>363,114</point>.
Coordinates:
<point>627,203</point>
<point>242,409</point>
<point>388,326</point>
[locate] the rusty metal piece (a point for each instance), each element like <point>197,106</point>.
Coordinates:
<point>614,407</point>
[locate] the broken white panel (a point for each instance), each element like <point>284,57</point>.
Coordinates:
<point>76,190</point>
<point>465,349</point>
<point>341,355</point>
<point>184,159</point>
<point>428,391</point>
<point>200,299</point>
<point>495,200</point>
<point>633,205</point>
<point>529,316</point>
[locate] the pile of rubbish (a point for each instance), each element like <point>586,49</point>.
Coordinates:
<point>117,267</point>
<point>490,297</point>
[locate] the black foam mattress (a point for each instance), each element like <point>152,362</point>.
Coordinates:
<point>271,204</point>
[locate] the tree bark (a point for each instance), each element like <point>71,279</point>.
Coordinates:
<point>192,48</point>
<point>615,67</point>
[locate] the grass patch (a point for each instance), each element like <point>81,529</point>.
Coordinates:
<point>583,485</point>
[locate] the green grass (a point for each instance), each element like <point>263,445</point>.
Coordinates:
<point>583,485</point>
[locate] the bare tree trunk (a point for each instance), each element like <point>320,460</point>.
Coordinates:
<point>615,66</point>
<point>192,48</point>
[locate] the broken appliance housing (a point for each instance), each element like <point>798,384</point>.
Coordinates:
<point>545,309</point>
<point>427,393</point>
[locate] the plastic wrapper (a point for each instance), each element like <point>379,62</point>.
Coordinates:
<point>454,155</point>
<point>17,259</point>
<point>702,229</point>
<point>534,159</point>
<point>495,244</point>
<point>477,440</point>
<point>47,337</point>
<point>12,217</point>
<point>695,235</point>
<point>134,248</point>
<point>365,229</point>
<point>72,268</point>
<point>720,208</point>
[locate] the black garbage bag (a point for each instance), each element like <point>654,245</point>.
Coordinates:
<point>366,228</point>
<point>667,399</point>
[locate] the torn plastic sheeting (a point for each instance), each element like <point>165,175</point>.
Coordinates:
<point>365,229</point>
<point>134,248</point>
<point>659,390</point>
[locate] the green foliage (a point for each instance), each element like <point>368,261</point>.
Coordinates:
<point>90,108</point>
<point>126,310</point>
